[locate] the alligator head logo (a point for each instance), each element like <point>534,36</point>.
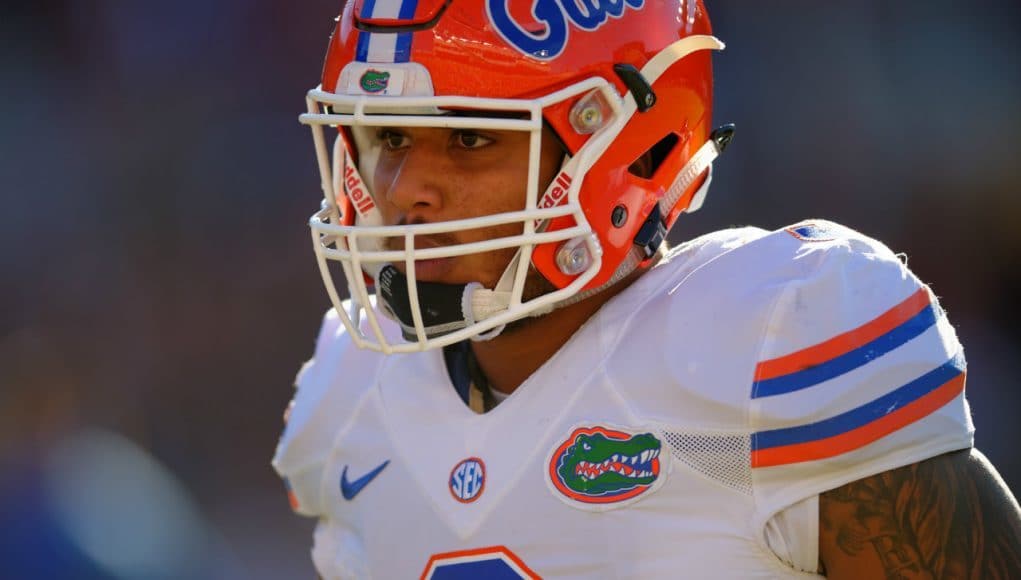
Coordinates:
<point>598,465</point>
<point>374,81</point>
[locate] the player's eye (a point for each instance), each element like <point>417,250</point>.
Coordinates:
<point>391,139</point>
<point>468,139</point>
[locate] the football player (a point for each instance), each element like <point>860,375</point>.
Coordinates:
<point>525,382</point>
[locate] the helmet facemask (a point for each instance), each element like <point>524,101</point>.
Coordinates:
<point>349,229</point>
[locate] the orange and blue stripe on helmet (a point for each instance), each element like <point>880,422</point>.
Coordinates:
<point>385,47</point>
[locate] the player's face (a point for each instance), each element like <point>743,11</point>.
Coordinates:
<point>428,175</point>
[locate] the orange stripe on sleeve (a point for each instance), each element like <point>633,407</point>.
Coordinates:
<point>843,343</point>
<point>851,440</point>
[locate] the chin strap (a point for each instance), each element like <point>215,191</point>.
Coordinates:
<point>446,308</point>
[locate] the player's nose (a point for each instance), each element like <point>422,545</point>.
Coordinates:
<point>415,187</point>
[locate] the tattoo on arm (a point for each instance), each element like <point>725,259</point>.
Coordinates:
<point>947,517</point>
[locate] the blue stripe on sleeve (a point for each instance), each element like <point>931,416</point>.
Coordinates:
<point>848,361</point>
<point>864,414</point>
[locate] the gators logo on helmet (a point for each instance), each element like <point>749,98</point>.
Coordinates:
<point>374,81</point>
<point>599,465</point>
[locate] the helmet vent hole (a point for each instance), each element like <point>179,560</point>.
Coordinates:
<point>647,163</point>
<point>619,216</point>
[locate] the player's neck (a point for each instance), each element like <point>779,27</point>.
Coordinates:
<point>512,357</point>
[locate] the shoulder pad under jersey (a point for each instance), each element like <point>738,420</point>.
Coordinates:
<point>328,388</point>
<point>676,337</point>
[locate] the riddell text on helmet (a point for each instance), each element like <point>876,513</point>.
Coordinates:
<point>555,196</point>
<point>356,189</point>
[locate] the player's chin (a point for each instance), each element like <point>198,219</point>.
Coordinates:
<point>485,268</point>
<point>438,270</point>
<point>441,271</point>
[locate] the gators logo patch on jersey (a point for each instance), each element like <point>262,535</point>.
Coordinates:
<point>603,468</point>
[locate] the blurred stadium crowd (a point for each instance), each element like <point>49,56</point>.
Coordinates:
<point>158,290</point>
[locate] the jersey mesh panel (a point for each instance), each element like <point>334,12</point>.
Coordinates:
<point>722,457</point>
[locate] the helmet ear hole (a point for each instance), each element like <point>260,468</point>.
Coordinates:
<point>650,161</point>
<point>642,167</point>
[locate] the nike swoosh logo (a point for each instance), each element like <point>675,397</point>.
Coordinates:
<point>349,489</point>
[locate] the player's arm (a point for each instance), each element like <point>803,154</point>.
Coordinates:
<point>951,516</point>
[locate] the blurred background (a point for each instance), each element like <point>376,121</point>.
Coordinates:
<point>159,291</point>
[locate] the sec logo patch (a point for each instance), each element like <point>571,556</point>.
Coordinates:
<point>467,480</point>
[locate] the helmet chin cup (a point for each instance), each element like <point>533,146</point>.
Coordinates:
<point>443,315</point>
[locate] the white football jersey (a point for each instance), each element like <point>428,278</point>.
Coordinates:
<point>674,435</point>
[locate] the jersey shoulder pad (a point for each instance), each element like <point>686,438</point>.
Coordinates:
<point>858,370</point>
<point>677,338</point>
<point>647,294</point>
<point>328,389</point>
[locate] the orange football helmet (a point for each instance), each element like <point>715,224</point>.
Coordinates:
<point>618,81</point>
